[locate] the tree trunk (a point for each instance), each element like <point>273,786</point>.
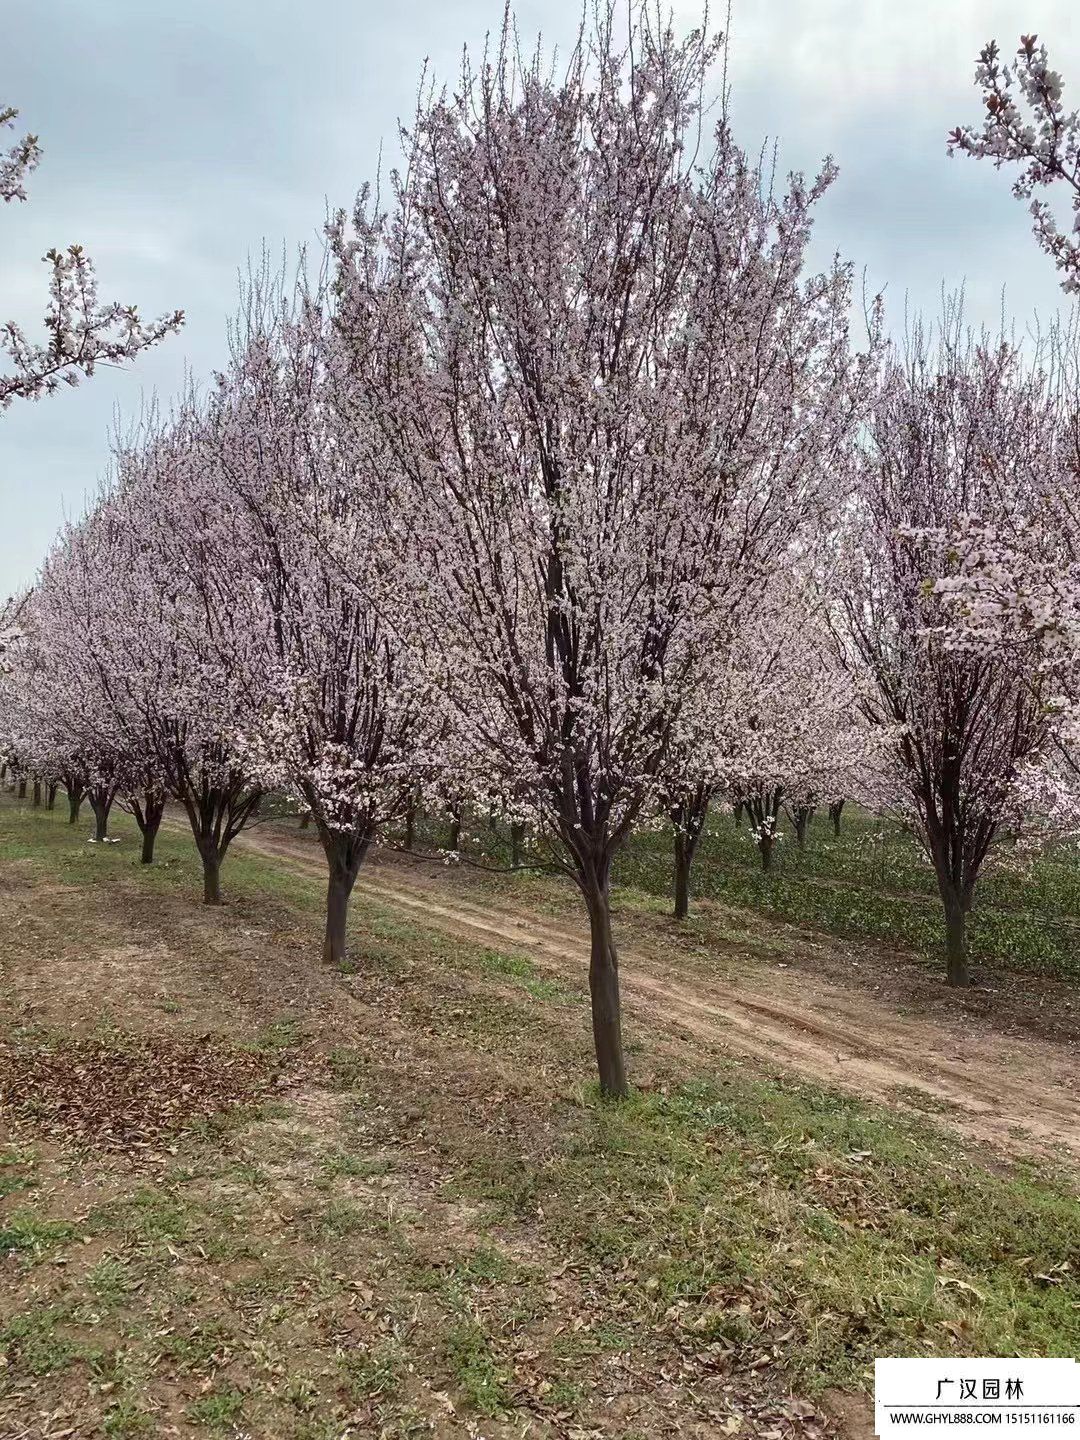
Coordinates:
<point>801,816</point>
<point>75,800</point>
<point>517,843</point>
<point>101,808</point>
<point>216,817</point>
<point>604,993</point>
<point>345,852</point>
<point>410,828</point>
<point>305,820</point>
<point>685,849</point>
<point>956,954</point>
<point>835,811</point>
<point>737,812</point>
<point>765,846</point>
<point>50,797</point>
<point>339,888</point>
<point>22,787</point>
<point>148,818</point>
<point>37,793</point>
<point>211,874</point>
<point>455,826</point>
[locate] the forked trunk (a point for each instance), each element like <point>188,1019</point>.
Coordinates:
<point>216,817</point>
<point>801,817</point>
<point>148,817</point>
<point>345,852</point>
<point>101,801</point>
<point>604,994</point>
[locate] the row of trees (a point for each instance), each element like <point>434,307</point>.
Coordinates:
<point>561,491</point>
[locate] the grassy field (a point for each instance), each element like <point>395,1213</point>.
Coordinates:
<point>872,881</point>
<point>244,1195</point>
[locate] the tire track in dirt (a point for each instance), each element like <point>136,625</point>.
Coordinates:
<point>1022,1104</point>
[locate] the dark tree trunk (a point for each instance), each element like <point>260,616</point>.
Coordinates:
<point>517,842</point>
<point>801,816</point>
<point>345,852</point>
<point>101,801</point>
<point>836,809</point>
<point>763,808</point>
<point>37,792</point>
<point>211,875</point>
<point>148,815</point>
<point>50,797</point>
<point>410,828</point>
<point>74,806</point>
<point>737,813</point>
<point>344,856</point>
<point>688,819</point>
<point>956,951</point>
<point>22,787</point>
<point>604,990</point>
<point>683,862</point>
<point>305,820</point>
<point>216,816</point>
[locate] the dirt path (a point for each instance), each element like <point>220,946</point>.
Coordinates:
<point>1020,1094</point>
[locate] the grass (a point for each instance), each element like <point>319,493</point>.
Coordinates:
<point>872,881</point>
<point>443,1225</point>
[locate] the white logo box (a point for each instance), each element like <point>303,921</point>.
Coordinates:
<point>943,1399</point>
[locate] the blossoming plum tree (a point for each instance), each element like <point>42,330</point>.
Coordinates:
<point>950,417</point>
<point>613,393</point>
<point>341,718</point>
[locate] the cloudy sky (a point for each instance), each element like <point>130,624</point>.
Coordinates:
<point>176,144</point>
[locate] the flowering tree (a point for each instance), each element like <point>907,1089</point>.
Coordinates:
<point>162,645</point>
<point>96,753</point>
<point>948,421</point>
<point>340,723</point>
<point>1013,585</point>
<point>82,332</point>
<point>778,728</point>
<point>612,393</point>
<point>1027,124</point>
